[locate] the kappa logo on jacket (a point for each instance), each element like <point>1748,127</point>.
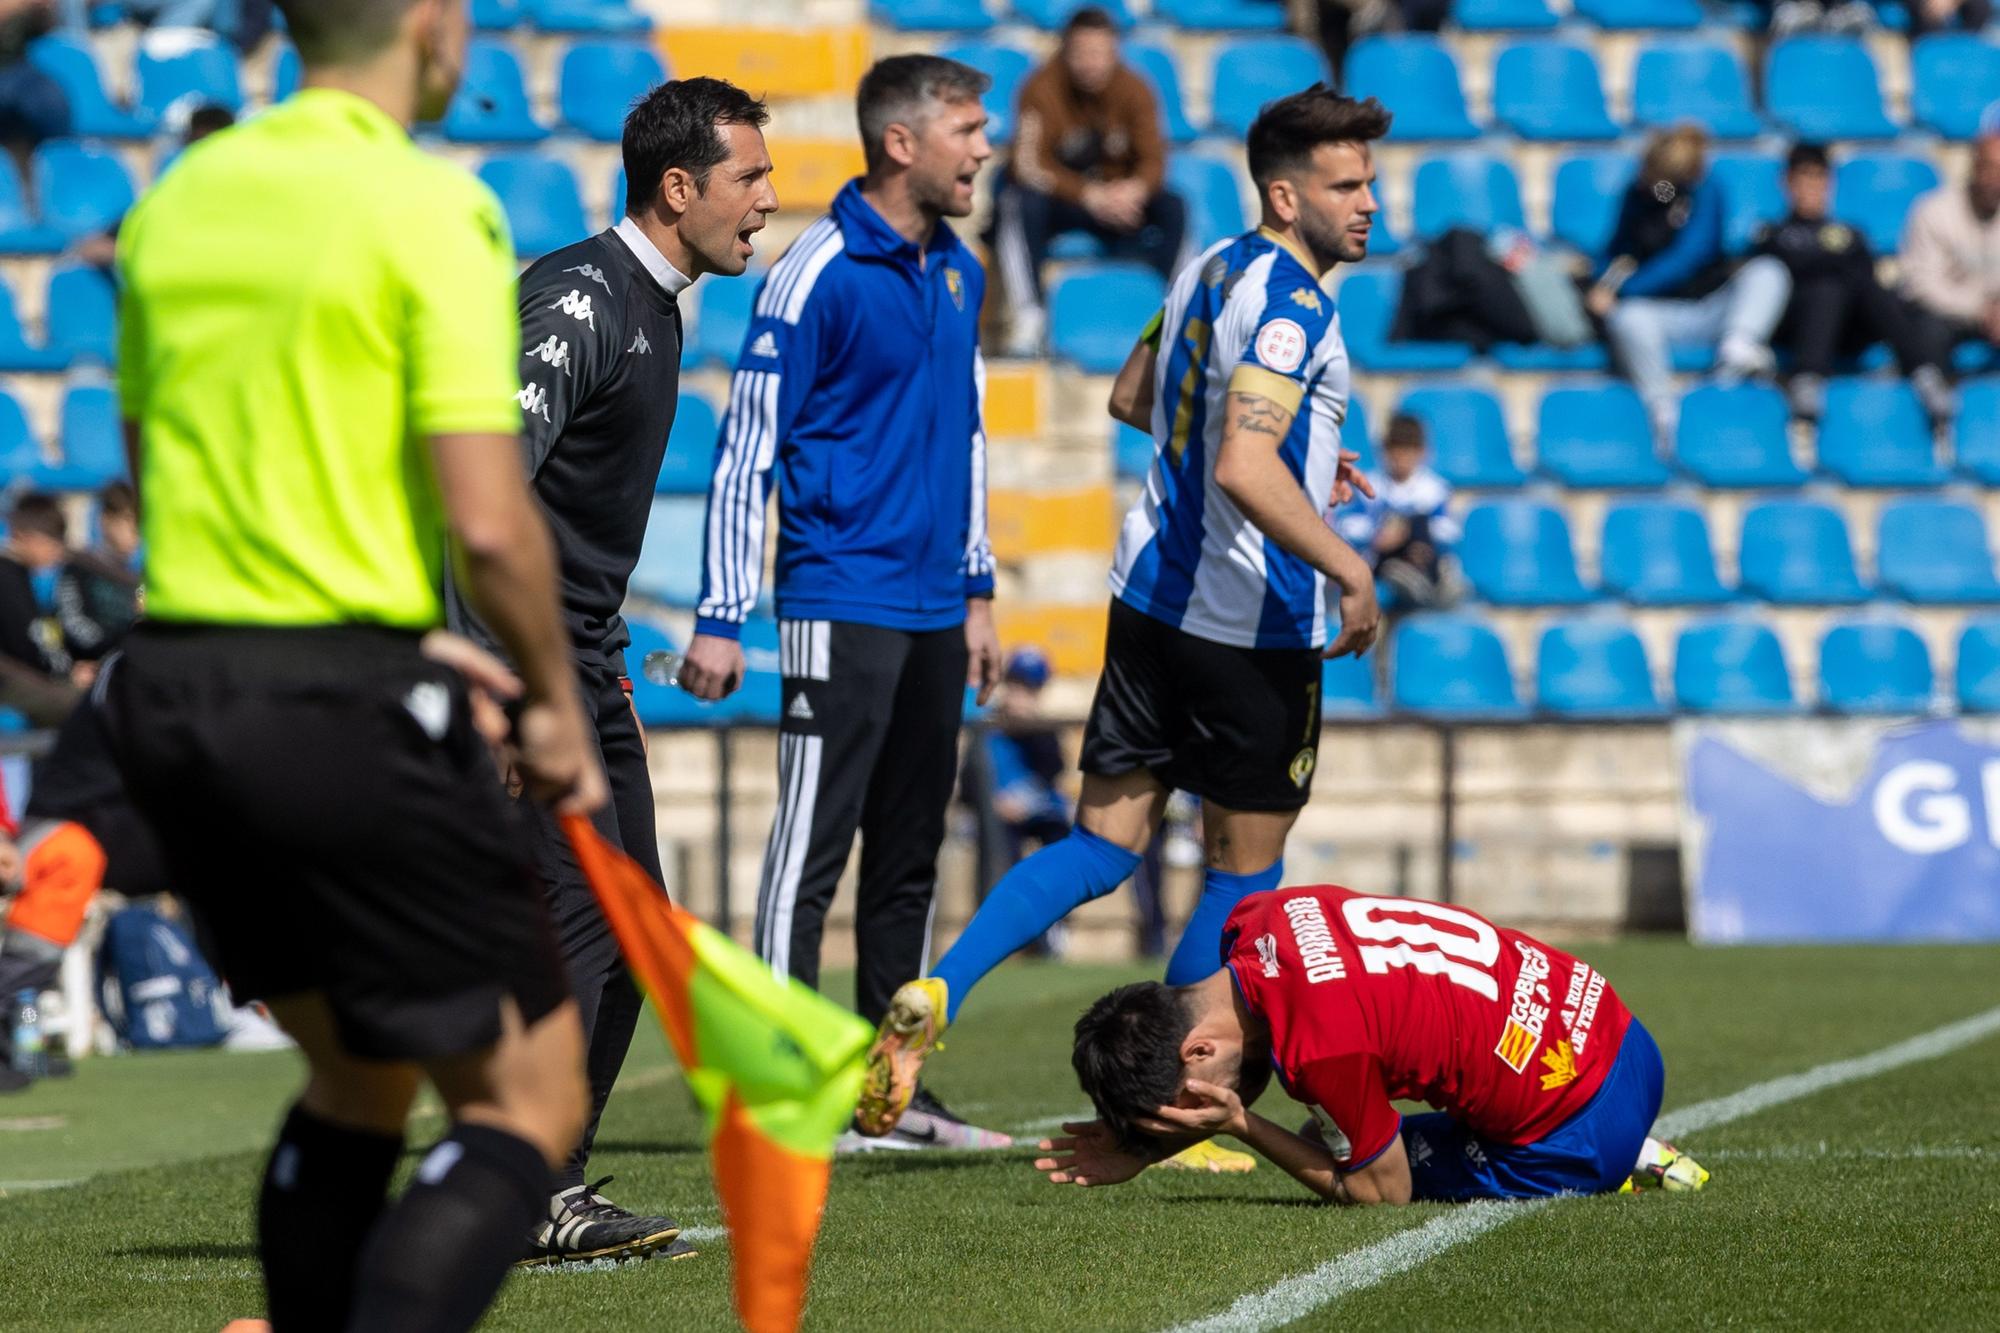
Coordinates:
<point>592,272</point>
<point>554,351</point>
<point>577,306</point>
<point>639,343</point>
<point>534,400</point>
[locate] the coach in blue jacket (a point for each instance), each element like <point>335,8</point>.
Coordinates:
<point>860,383</point>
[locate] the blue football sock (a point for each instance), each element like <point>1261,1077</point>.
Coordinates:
<point>1030,898</point>
<point>1200,951</point>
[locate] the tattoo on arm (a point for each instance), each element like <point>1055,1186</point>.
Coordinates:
<point>1258,415</point>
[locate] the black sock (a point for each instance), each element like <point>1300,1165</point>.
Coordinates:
<point>323,1189</point>
<point>435,1260</point>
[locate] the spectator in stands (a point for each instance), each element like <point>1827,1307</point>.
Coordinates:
<point>1838,306</point>
<point>1951,254</point>
<point>32,104</point>
<point>1929,16</point>
<point>1666,281</point>
<point>1405,530</point>
<point>1088,156</point>
<point>1338,22</point>
<point>97,593</point>
<point>166,19</point>
<point>36,548</point>
<point>1024,758</point>
<point>1792,18</point>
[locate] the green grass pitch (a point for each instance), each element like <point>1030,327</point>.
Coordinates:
<point>1871,1205</point>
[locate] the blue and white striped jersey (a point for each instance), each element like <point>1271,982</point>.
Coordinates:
<point>1247,315</point>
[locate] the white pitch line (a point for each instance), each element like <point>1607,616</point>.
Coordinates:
<point>1049,1122</point>
<point>1298,1296</point>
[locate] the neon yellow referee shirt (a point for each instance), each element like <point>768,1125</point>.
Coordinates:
<point>307,297</point>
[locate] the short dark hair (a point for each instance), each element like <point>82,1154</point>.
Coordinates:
<point>1128,1055</point>
<point>675,126</point>
<point>39,512</point>
<point>1090,18</point>
<point>1406,429</point>
<point>118,500</point>
<point>1286,131</point>
<point>1807,155</point>
<point>330,31</point>
<point>896,90</point>
<point>206,119</point>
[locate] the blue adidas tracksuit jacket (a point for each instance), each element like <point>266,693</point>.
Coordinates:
<point>860,382</point>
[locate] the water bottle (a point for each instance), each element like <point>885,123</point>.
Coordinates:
<point>29,1058</point>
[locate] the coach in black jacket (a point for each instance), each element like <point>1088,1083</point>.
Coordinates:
<point>600,375</point>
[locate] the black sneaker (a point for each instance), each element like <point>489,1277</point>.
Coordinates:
<point>584,1225</point>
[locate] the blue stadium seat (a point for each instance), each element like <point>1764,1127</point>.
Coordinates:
<point>1468,436</point>
<point>1874,191</point>
<point>1467,188</point>
<point>84,191</point>
<point>1874,666</point>
<point>1588,189</point>
<point>1821,88</point>
<point>1008,67</point>
<point>690,458</point>
<point>1052,14</point>
<point>1935,551</point>
<point>1753,194</point>
<point>1978,670</point>
<point>544,209</point>
<point>93,443</point>
<point>1347,687</point>
<point>1518,553</point>
<point>1731,666</point>
<point>1594,668</point>
<point>1976,433</point>
<point>1222,15</point>
<point>1214,204</point>
<point>491,105</point>
<point>1640,13</point>
<point>1503,15</point>
<point>205,73</point>
<point>1596,435</point>
<point>1875,433</point>
<point>1736,436</point>
<point>669,568</point>
<point>1415,77</point>
<point>1693,79</point>
<point>1367,303</point>
<point>1254,70</point>
<point>499,15</point>
<point>587,16</point>
<point>286,73</point>
<point>73,64</point>
<point>1796,552</point>
<point>16,352</point>
<point>722,318</point>
<point>600,82</point>
<point>1656,553</point>
<point>20,455</point>
<point>1550,90</point>
<point>1132,452</point>
<point>932,15</point>
<point>1355,435</point>
<point>20,233</point>
<point>1447,664</point>
<point>83,315</point>
<point>1953,77</point>
<point>1156,66</point>
<point>1586,357</point>
<point>1096,312</point>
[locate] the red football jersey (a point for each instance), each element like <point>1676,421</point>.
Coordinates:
<point>1372,999</point>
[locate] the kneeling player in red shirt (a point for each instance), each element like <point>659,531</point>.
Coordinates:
<point>1544,1082</point>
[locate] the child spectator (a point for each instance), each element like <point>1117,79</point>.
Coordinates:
<point>1406,532</point>
<point>97,593</point>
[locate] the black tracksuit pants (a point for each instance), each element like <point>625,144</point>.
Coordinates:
<point>868,743</point>
<point>607,998</point>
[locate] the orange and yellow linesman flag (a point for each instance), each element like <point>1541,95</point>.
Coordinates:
<point>775,1066</point>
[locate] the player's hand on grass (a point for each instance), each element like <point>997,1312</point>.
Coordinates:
<point>1347,479</point>
<point>712,668</point>
<point>1214,1110</point>
<point>982,648</point>
<point>1089,1154</point>
<point>558,759</point>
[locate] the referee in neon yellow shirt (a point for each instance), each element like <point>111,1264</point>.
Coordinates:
<point>317,367</point>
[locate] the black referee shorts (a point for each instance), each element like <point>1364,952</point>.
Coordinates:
<point>1236,726</point>
<point>335,822</point>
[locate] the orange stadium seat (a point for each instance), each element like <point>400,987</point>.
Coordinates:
<point>1025,523</point>
<point>1071,636</point>
<point>772,62</point>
